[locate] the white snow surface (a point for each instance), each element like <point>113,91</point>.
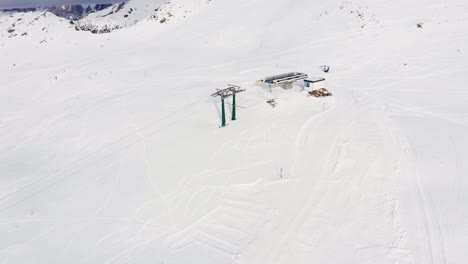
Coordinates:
<point>111,151</point>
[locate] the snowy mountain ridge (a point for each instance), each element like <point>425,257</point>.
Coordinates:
<point>103,18</point>
<point>71,12</point>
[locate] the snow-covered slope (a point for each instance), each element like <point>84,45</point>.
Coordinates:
<point>104,20</point>
<point>110,150</point>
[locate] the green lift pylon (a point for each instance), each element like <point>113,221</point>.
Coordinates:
<point>223,113</point>
<point>233,107</point>
<point>232,90</point>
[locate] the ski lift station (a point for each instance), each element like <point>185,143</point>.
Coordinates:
<point>286,80</point>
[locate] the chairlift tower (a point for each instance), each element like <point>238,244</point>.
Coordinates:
<point>232,90</point>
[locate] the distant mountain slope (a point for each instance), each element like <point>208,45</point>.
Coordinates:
<point>95,18</point>
<point>72,12</point>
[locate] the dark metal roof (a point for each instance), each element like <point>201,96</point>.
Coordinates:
<point>285,78</point>
<point>314,80</point>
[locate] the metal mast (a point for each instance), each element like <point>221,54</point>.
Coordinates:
<point>234,90</point>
